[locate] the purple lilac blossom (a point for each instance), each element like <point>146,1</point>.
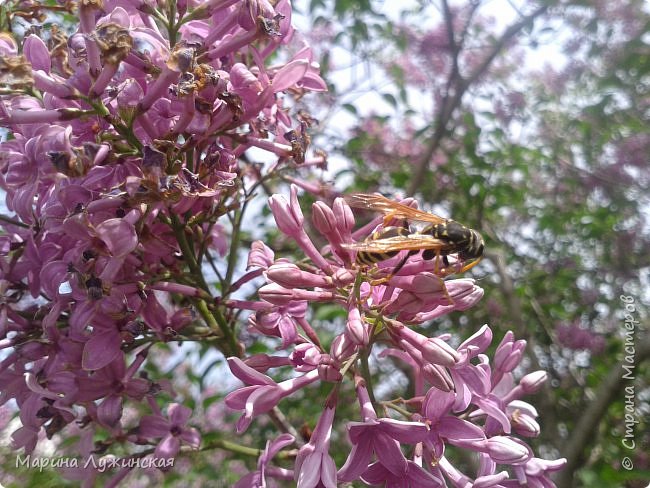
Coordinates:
<point>126,148</point>
<point>462,397</point>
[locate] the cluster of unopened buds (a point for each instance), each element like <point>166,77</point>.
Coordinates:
<point>461,397</point>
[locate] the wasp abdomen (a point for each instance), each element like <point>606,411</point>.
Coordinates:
<point>370,258</point>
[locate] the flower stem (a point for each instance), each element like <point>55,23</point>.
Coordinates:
<point>172,26</point>
<point>11,221</point>
<point>231,446</point>
<point>365,372</point>
<point>188,252</point>
<point>213,317</point>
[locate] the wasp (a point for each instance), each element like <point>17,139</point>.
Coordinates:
<point>438,239</point>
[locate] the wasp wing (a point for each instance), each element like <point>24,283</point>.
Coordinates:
<point>391,208</point>
<point>411,242</point>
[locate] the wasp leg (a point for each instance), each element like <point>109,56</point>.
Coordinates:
<point>373,270</point>
<point>445,292</point>
<point>401,264</point>
<point>380,281</point>
<point>429,254</point>
<point>388,218</point>
<point>449,299</point>
<point>395,270</point>
<point>470,265</point>
<point>436,264</point>
<point>391,216</point>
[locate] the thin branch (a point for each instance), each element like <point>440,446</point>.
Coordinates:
<point>284,425</point>
<point>453,47</point>
<point>582,434</point>
<point>465,30</point>
<point>461,86</point>
<point>11,221</point>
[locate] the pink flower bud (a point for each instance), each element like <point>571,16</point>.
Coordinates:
<point>159,87</point>
<point>243,81</point>
<point>276,294</point>
<point>356,328</point>
<point>329,372</point>
<point>508,355</point>
<point>507,450</point>
<point>490,480</point>
<point>433,350</point>
<point>342,348</point>
<point>438,376</point>
<point>260,256</point>
<point>39,116</point>
<point>323,218</point>
<point>264,362</point>
<point>344,215</point>
<point>532,382</point>
<point>467,299</point>
<point>53,85</point>
<point>343,277</point>
<point>422,284</point>
<point>288,218</point>
<point>407,303</point>
<point>247,374</point>
<point>290,275</point>
<point>439,352</point>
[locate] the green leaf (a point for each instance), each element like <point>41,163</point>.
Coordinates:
<point>390,99</point>
<point>350,108</point>
<point>329,313</point>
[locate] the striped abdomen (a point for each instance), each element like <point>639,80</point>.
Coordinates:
<point>369,258</point>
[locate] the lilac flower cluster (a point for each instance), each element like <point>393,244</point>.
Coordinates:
<point>125,152</point>
<point>462,398</point>
<point>576,337</point>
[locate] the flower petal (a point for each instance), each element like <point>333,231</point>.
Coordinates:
<point>178,414</point>
<point>247,374</point>
<point>119,236</point>
<point>101,349</point>
<point>357,462</point>
<point>153,426</point>
<point>290,74</point>
<point>37,53</point>
<point>109,411</point>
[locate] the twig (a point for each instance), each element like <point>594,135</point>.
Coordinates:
<point>460,87</point>
<point>281,421</point>
<point>583,432</point>
<point>11,221</point>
